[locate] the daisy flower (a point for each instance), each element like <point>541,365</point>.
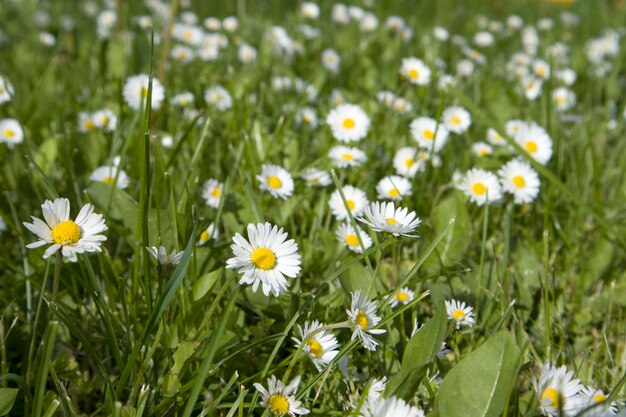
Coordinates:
<point>384,217</point>
<point>563,98</point>
<point>11,132</point>
<point>591,397</point>
<point>246,53</point>
<point>278,398</point>
<point>189,34</point>
<point>182,54</point>
<point>161,255</point>
<point>344,157</point>
<point>482,149</point>
<point>315,177</point>
<point>355,198</point>
<point>377,388</point>
<point>321,347</point>
<point>105,119</point>
<point>531,87</point>
<point>136,92</point>
<point>536,141</point>
<point>423,131</point>
<point>331,60</point>
<point>218,97</point>
<point>407,163</point>
<point>494,138</point>
<point>183,99</point>
<point>458,312</point>
<point>85,122</point>
<point>390,407</point>
<point>212,192</point>
<point>385,97</point>
<point>393,187</point>
<point>266,259</point>
<point>348,123</point>
<point>306,116</point>
<point>415,71</point>
<point>346,235</point>
<point>403,295</point>
<point>541,69</point>
<point>6,90</point>
<point>456,119</point>
<point>514,126</point>
<point>363,317</point>
<point>518,178</point>
<point>557,391</point>
<point>276,180</point>
<point>401,105</point>
<point>72,237</point>
<point>110,174</point>
<point>230,24</point>
<point>481,186</point>
<point>207,234</point>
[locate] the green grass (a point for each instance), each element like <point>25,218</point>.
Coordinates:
<point>127,337</point>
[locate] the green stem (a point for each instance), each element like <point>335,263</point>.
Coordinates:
<point>58,261</point>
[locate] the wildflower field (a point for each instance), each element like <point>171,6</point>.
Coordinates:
<point>397,208</point>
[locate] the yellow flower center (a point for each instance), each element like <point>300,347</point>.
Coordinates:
<point>394,192</point>
<point>413,74</point>
<point>350,204</point>
<point>361,320</point>
<point>402,296</point>
<point>187,36</point>
<point>66,233</point>
<point>347,157</point>
<point>519,181</point>
<point>479,188</point>
<point>531,146</point>
<point>9,133</point>
<point>541,71</point>
<point>217,192</point>
<point>108,180</point>
<point>456,120</point>
<point>104,120</point>
<point>274,182</point>
<point>458,314</point>
<point>409,162</point>
<point>553,395</point>
<point>560,100</point>
<point>348,123</point>
<point>182,55</point>
<point>483,152</point>
<point>352,240</point>
<point>264,258</point>
<point>429,134</point>
<point>315,348</point>
<point>599,398</point>
<point>391,221</point>
<point>400,106</point>
<point>204,236</point>
<point>89,124</point>
<point>278,404</point>
<point>144,92</point>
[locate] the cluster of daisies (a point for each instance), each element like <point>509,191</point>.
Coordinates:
<point>561,395</point>
<point>11,132</point>
<point>267,259</point>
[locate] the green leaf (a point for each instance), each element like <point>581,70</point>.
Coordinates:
<point>419,354</point>
<point>204,284</point>
<point>356,278</point>
<point>184,352</point>
<point>454,244</point>
<point>7,398</point>
<point>480,384</point>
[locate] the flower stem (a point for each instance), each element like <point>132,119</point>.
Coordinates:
<point>58,261</point>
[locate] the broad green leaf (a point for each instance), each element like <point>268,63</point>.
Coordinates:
<point>419,354</point>
<point>184,352</point>
<point>7,398</point>
<point>356,278</point>
<point>454,244</point>
<point>204,284</point>
<point>480,384</point>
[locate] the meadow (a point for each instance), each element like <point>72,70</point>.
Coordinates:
<point>397,208</point>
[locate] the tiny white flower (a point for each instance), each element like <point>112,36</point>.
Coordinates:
<point>212,192</point>
<point>415,71</point>
<point>355,198</point>
<point>218,97</point>
<point>393,187</point>
<point>348,123</point>
<point>460,313</point>
<point>518,178</point>
<point>481,186</point>
<point>315,177</point>
<point>280,399</point>
<point>322,347</point>
<point>347,236</point>
<point>403,296</point>
<point>136,92</point>
<point>384,217</point>
<point>161,255</point>
<point>265,259</point>
<point>362,314</point>
<point>344,157</point>
<point>276,180</point>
